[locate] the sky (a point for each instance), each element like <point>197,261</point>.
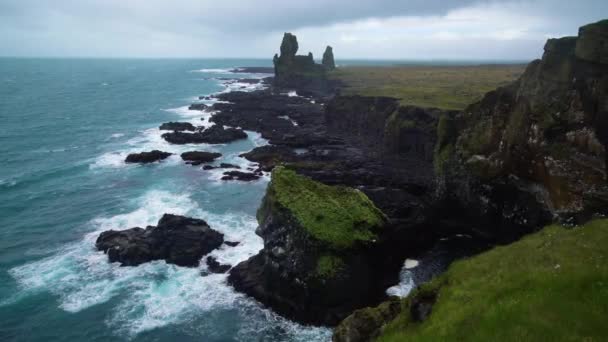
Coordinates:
<point>357,29</point>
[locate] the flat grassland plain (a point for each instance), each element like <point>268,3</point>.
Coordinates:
<point>444,87</point>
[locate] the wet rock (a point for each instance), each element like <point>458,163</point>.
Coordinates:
<point>177,126</point>
<point>215,267</point>
<point>176,239</point>
<point>147,157</point>
<point>199,157</point>
<point>232,243</point>
<point>216,134</point>
<point>198,106</point>
<point>229,166</point>
<point>240,176</point>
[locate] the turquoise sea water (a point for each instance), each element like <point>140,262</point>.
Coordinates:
<point>65,127</point>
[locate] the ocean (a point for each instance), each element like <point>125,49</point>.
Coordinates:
<point>66,127</point>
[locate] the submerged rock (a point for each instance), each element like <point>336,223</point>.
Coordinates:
<point>316,265</point>
<point>176,239</point>
<point>147,157</point>
<point>199,157</point>
<point>177,126</point>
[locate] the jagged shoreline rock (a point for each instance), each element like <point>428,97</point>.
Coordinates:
<point>176,239</point>
<point>178,126</point>
<point>147,157</point>
<point>199,157</point>
<point>215,134</point>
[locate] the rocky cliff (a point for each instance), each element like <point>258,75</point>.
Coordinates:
<point>527,154</point>
<point>535,150</point>
<point>318,262</point>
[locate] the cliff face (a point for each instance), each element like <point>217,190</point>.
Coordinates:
<point>317,264</point>
<point>382,124</point>
<point>535,150</point>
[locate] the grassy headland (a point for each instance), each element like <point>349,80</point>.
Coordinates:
<point>336,215</point>
<point>549,286</point>
<point>445,87</point>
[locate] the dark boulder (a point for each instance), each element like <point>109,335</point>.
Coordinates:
<point>214,266</point>
<point>231,243</point>
<point>176,239</point>
<point>199,157</point>
<point>177,126</point>
<point>147,157</point>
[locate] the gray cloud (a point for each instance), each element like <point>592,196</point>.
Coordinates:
<point>236,28</point>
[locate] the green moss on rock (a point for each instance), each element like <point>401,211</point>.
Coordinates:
<point>328,266</point>
<point>338,216</point>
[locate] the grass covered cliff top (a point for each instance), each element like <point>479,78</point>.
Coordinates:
<point>445,87</point>
<point>549,286</point>
<point>336,215</point>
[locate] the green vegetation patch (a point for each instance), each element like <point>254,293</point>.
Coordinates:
<point>445,87</point>
<point>336,215</point>
<point>328,266</point>
<point>549,286</point>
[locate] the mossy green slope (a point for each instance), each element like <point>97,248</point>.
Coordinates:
<point>549,286</point>
<point>336,215</point>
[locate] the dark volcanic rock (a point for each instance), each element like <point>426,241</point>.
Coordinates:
<point>229,166</point>
<point>147,157</point>
<point>176,239</point>
<point>215,267</point>
<point>215,134</point>
<point>534,150</point>
<point>241,176</point>
<point>311,273</point>
<point>177,126</point>
<point>200,157</point>
<point>198,106</point>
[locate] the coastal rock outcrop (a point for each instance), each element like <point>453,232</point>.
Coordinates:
<point>215,134</point>
<point>534,150</point>
<point>318,263</point>
<point>176,239</point>
<point>147,157</point>
<point>199,157</point>
<point>177,126</point>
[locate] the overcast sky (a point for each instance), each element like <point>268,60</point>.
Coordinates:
<point>387,29</point>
